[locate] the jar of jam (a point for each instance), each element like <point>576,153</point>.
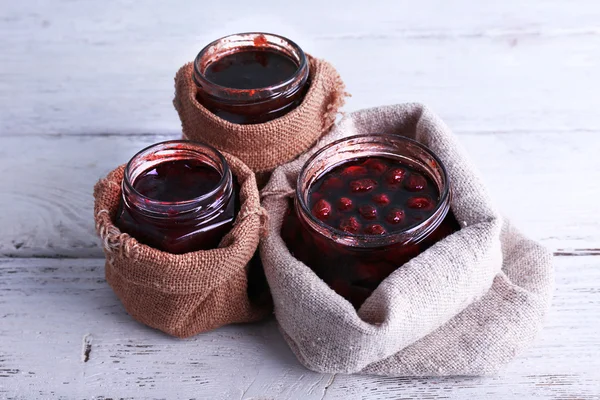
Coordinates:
<point>364,206</point>
<point>178,196</point>
<point>251,78</point>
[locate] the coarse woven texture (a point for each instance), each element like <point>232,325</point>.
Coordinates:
<point>465,306</point>
<point>264,146</point>
<point>183,294</point>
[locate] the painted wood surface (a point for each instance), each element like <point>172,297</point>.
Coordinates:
<point>65,334</point>
<point>84,85</point>
<point>97,67</point>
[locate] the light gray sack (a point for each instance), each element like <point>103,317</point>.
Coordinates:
<point>465,306</point>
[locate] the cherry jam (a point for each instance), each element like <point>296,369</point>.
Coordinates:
<point>177,180</point>
<point>373,196</point>
<point>251,78</point>
<point>364,206</point>
<point>178,197</point>
<point>251,69</point>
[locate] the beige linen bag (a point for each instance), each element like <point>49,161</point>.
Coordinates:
<point>185,294</point>
<point>465,306</point>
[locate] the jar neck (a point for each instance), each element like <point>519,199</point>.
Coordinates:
<point>406,151</point>
<point>194,211</point>
<point>256,96</point>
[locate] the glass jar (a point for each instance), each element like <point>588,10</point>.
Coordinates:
<point>178,196</point>
<point>354,264</point>
<point>251,78</point>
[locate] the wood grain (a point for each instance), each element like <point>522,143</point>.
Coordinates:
<point>543,181</point>
<point>77,66</point>
<point>64,333</point>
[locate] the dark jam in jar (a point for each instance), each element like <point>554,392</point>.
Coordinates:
<point>373,196</point>
<point>250,69</point>
<point>178,197</point>
<point>251,78</point>
<point>177,180</point>
<point>362,211</point>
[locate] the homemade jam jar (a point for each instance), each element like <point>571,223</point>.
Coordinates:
<point>251,78</point>
<point>178,196</point>
<point>364,206</point>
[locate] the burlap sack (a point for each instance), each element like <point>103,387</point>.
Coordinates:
<point>465,306</point>
<point>264,146</point>
<point>185,294</point>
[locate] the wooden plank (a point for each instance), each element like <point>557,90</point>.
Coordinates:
<point>544,181</point>
<point>74,66</point>
<point>64,333</point>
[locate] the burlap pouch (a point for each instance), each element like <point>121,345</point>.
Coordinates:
<point>465,306</point>
<point>264,146</point>
<point>185,294</point>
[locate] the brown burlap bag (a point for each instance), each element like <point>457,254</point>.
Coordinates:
<point>465,306</point>
<point>264,146</point>
<point>185,294</point>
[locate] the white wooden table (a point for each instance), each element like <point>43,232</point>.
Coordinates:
<point>85,84</point>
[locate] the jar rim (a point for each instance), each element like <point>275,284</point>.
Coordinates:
<point>441,209</point>
<point>260,93</point>
<point>225,175</point>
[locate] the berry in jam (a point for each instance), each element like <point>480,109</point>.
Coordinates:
<point>381,199</point>
<point>350,225</point>
<point>416,183</point>
<point>345,204</point>
<point>362,185</point>
<point>322,210</point>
